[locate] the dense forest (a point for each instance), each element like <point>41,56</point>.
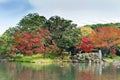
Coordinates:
<point>35,34</point>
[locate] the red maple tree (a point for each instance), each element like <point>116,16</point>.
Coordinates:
<point>86,45</point>
<point>28,43</point>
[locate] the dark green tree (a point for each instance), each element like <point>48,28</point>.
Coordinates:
<point>31,22</point>
<point>64,33</point>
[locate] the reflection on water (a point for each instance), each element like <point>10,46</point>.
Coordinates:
<point>68,71</point>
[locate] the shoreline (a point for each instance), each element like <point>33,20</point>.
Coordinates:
<point>40,59</point>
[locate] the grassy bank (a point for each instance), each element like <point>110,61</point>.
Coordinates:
<point>109,59</point>
<point>39,58</point>
<point>49,58</point>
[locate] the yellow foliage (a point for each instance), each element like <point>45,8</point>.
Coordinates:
<point>86,31</point>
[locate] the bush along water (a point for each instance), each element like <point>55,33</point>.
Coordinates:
<point>86,57</point>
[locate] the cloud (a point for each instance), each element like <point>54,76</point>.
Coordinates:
<point>77,7</point>
<point>80,11</point>
<point>74,5</point>
<point>51,7</point>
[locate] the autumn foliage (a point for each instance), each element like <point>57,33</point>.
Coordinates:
<point>86,31</point>
<point>106,37</point>
<point>28,43</point>
<point>86,45</point>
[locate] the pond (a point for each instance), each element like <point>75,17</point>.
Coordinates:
<point>61,71</point>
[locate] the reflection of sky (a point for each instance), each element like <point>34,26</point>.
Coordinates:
<point>80,11</point>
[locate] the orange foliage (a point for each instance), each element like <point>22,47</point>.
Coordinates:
<point>105,37</point>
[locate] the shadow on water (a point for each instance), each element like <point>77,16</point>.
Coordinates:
<point>63,71</point>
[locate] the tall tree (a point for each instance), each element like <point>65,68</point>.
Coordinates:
<point>64,32</point>
<point>86,45</point>
<point>106,37</point>
<point>86,31</point>
<point>29,43</point>
<point>31,22</point>
<point>7,40</point>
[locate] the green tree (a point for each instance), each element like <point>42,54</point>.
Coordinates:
<point>6,40</point>
<point>64,33</point>
<point>31,22</point>
<point>93,26</point>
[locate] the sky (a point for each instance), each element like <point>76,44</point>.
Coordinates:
<point>81,12</point>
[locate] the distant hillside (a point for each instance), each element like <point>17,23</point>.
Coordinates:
<point>104,25</point>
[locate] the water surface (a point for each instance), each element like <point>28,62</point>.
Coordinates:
<point>68,71</point>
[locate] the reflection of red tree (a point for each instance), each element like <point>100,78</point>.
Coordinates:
<point>31,75</point>
<point>34,75</point>
<point>86,75</point>
<point>114,70</point>
<point>21,73</point>
<point>24,75</point>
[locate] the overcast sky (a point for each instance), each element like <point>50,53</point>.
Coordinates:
<point>82,12</point>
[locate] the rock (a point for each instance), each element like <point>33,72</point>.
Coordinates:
<point>116,63</point>
<point>3,60</point>
<point>75,61</point>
